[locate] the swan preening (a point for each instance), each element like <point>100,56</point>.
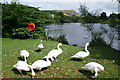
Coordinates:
<point>82,54</point>
<point>40,46</point>
<point>22,65</point>
<point>93,67</point>
<point>24,53</point>
<point>55,52</point>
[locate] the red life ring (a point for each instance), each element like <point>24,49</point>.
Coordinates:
<point>31,26</point>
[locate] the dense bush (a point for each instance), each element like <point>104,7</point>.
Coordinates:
<point>16,17</point>
<point>24,33</point>
<point>98,42</point>
<point>61,39</point>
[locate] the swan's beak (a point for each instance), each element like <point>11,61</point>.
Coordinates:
<point>103,70</point>
<point>33,77</point>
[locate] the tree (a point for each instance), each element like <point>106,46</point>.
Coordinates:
<point>16,17</point>
<point>113,16</point>
<point>86,16</point>
<point>118,15</point>
<point>83,10</point>
<point>103,16</point>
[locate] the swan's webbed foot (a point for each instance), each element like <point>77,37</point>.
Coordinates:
<point>84,61</point>
<point>93,77</point>
<point>23,75</point>
<point>56,60</point>
<point>92,71</point>
<point>33,77</point>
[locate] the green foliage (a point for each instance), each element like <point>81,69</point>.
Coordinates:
<point>103,16</point>
<point>83,10</point>
<point>60,39</point>
<point>21,33</point>
<point>98,42</point>
<point>17,16</point>
<point>96,35</point>
<point>86,16</point>
<point>113,16</point>
<point>24,33</point>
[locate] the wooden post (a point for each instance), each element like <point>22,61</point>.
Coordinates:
<point>46,34</point>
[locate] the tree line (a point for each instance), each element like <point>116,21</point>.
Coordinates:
<point>16,16</point>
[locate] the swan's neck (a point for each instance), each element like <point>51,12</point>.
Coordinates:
<point>25,59</point>
<point>86,49</point>
<point>33,73</point>
<point>59,47</point>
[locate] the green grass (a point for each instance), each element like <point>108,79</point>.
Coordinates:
<point>0,56</point>
<point>64,67</point>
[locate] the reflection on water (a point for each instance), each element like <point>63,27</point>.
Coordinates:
<point>78,34</point>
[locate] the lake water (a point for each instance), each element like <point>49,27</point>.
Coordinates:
<point>79,34</point>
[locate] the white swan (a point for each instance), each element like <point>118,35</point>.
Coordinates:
<point>52,58</point>
<point>55,52</point>
<point>40,46</point>
<point>93,67</point>
<point>39,64</point>
<point>22,65</point>
<point>24,53</point>
<point>82,54</point>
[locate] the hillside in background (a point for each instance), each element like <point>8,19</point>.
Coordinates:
<point>69,12</point>
<point>65,12</point>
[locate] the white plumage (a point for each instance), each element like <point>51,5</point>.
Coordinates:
<point>39,64</point>
<point>24,53</point>
<point>21,65</point>
<point>93,67</point>
<point>50,57</point>
<point>40,46</point>
<point>82,54</point>
<point>55,52</point>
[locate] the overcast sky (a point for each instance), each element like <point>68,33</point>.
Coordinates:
<point>107,6</point>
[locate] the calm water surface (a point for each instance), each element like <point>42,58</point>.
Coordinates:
<point>76,33</point>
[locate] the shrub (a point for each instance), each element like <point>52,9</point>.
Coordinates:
<point>60,39</point>
<point>20,33</point>
<point>98,42</point>
<point>24,33</point>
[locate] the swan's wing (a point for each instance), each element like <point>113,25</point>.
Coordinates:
<point>24,53</point>
<point>22,66</point>
<point>80,54</point>
<point>40,64</point>
<point>40,46</point>
<point>52,52</point>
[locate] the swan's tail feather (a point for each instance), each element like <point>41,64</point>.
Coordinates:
<point>14,66</point>
<point>83,67</point>
<point>73,56</point>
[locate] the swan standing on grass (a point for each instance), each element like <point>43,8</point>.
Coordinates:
<point>24,54</point>
<point>39,64</point>
<point>22,65</point>
<point>40,46</point>
<point>93,67</point>
<point>52,58</point>
<point>55,52</point>
<point>82,54</point>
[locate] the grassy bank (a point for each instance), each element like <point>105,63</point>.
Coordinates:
<point>64,67</point>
